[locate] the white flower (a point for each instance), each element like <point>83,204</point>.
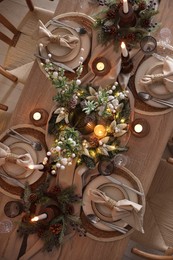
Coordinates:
<point>63,114</point>
<point>78,82</point>
<point>55,74</point>
<point>64,161</point>
<point>118,129</point>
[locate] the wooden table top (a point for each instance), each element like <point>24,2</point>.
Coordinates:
<point>144,153</point>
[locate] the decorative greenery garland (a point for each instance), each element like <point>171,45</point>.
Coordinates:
<point>107,21</point>
<point>78,106</point>
<point>53,232</point>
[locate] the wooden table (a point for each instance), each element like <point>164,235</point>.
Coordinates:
<point>144,153</point>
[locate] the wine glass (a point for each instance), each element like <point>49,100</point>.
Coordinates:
<point>148,45</point>
<point>165,36</point>
<point>120,160</point>
<point>6,226</point>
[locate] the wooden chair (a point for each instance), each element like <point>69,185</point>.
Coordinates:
<point>158,218</point>
<point>22,45</point>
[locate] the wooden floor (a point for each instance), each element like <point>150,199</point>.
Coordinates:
<point>15,9</point>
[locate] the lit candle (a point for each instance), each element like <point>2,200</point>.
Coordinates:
<point>36,166</point>
<point>39,217</point>
<point>124,50</point>
<point>125,6</point>
<point>138,128</point>
<point>100,66</point>
<point>100,131</point>
<point>37,116</point>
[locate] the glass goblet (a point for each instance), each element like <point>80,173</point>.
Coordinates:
<point>120,160</point>
<point>165,36</point>
<point>6,226</point>
<point>148,45</point>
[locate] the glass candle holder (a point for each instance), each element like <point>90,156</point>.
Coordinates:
<point>148,45</point>
<point>13,209</point>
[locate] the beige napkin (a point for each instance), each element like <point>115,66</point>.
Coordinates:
<point>67,40</point>
<point>166,75</point>
<point>135,219</point>
<point>5,155</point>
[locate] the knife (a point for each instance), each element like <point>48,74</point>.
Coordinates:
<point>55,63</point>
<point>123,185</point>
<point>12,180</point>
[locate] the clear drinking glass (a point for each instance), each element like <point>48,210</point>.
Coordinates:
<point>165,36</point>
<point>148,45</point>
<point>6,226</point>
<point>120,160</point>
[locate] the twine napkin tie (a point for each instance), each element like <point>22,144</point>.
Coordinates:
<point>134,219</point>
<point>166,75</point>
<point>5,155</point>
<point>66,40</point>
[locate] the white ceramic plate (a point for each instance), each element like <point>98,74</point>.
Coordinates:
<point>114,192</point>
<point>30,176</point>
<point>151,66</point>
<point>102,180</point>
<point>18,148</point>
<point>62,53</point>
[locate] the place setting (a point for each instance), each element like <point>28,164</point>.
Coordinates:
<point>64,40</point>
<point>113,203</point>
<point>22,149</point>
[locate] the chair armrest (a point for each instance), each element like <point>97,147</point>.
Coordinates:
<point>148,256</point>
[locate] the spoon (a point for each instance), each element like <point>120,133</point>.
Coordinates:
<point>80,30</point>
<point>36,145</point>
<point>94,220</point>
<point>146,97</point>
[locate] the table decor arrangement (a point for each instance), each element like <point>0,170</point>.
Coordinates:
<point>48,212</point>
<point>129,23</point>
<point>87,123</point>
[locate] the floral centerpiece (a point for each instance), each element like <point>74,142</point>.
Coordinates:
<point>79,110</point>
<point>113,27</point>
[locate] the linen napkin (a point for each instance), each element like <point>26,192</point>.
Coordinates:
<point>134,219</point>
<point>66,40</point>
<point>5,155</point>
<point>166,75</point>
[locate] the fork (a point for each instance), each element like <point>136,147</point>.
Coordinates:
<point>80,30</point>
<point>36,145</point>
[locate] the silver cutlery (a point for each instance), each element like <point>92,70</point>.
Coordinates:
<point>12,180</point>
<point>63,66</point>
<point>146,97</point>
<point>110,178</point>
<point>159,57</point>
<point>94,220</point>
<point>80,30</point>
<point>36,145</point>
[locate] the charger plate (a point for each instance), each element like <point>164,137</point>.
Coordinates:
<point>75,20</point>
<point>148,107</point>
<point>33,177</point>
<point>99,231</point>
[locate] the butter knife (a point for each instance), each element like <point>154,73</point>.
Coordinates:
<point>12,180</point>
<point>55,63</point>
<point>123,185</point>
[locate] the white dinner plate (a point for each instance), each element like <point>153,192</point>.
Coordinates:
<point>118,194</point>
<point>157,89</point>
<point>62,53</point>
<point>31,176</point>
<point>18,148</point>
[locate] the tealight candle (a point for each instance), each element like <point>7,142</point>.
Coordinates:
<point>100,66</point>
<point>39,217</point>
<point>138,128</point>
<point>100,131</point>
<point>36,166</point>
<point>124,50</point>
<point>125,6</point>
<point>37,116</point>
